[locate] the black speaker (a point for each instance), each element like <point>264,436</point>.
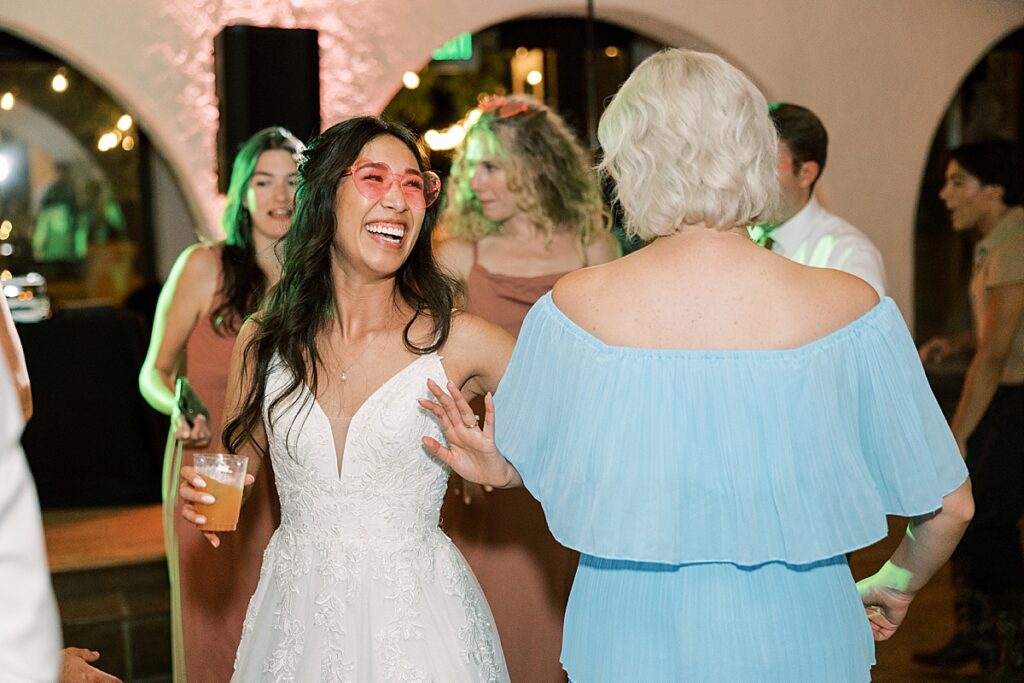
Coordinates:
<point>265,77</point>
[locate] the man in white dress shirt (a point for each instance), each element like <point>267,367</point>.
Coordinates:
<point>809,234</point>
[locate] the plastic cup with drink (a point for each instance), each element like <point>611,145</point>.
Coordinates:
<point>224,475</point>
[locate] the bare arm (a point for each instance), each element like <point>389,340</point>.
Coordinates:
<point>995,342</point>
<point>14,355</point>
<point>938,349</point>
<point>241,376</point>
<point>927,544</point>
<point>483,350</point>
<point>480,352</point>
<point>186,295</point>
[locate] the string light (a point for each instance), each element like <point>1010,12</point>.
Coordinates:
<point>107,141</point>
<point>449,138</point>
<point>128,144</point>
<point>410,80</point>
<point>7,101</point>
<point>59,82</point>
<point>124,123</point>
<point>534,77</point>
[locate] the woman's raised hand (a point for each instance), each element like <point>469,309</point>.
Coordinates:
<point>470,451</point>
<point>192,491</point>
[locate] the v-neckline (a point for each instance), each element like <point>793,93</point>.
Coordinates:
<point>352,420</point>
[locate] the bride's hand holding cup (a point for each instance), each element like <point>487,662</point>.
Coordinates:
<point>211,491</point>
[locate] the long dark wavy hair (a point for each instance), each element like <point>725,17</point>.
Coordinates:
<point>244,282</point>
<point>300,307</point>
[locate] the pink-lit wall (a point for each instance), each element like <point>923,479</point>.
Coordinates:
<point>879,72</point>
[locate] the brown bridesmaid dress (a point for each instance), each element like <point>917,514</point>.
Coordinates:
<point>211,587</point>
<point>525,574</point>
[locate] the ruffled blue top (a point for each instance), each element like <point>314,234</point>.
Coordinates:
<point>684,456</point>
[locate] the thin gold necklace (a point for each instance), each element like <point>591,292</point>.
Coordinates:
<point>344,371</point>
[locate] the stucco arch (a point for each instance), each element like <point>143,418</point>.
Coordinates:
<point>67,47</point>
<point>648,25</point>
<point>880,74</point>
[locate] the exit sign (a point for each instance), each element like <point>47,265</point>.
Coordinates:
<point>459,47</point>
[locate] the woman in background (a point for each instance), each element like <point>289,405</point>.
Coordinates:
<point>210,292</point>
<point>523,210</point>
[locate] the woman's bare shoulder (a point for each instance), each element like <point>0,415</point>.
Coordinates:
<point>475,346</point>
<point>579,294</point>
<point>200,260</point>
<point>455,254</point>
<point>192,281</point>
<point>250,326</point>
<point>469,329</point>
<point>205,253</point>
<point>837,298</point>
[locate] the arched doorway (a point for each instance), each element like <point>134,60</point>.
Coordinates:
<point>989,103</point>
<point>75,199</point>
<point>543,57</point>
<point>79,268</point>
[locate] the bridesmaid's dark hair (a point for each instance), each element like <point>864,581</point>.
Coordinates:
<point>300,307</point>
<point>244,283</point>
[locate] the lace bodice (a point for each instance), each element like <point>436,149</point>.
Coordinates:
<point>388,485</point>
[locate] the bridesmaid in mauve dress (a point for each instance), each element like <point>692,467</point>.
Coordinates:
<point>207,295</point>
<point>523,210</point>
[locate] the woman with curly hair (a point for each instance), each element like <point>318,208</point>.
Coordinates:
<point>212,288</point>
<point>524,209</point>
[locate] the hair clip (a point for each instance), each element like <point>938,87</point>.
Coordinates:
<point>505,107</point>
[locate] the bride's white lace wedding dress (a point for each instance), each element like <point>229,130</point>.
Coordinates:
<point>359,583</point>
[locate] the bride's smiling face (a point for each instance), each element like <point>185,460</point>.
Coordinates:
<point>376,235</point>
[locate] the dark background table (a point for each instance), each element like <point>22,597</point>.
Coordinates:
<point>93,440</point>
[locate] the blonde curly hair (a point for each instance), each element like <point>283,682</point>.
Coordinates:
<point>547,170</point>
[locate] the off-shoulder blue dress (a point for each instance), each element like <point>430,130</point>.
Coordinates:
<point>713,494</point>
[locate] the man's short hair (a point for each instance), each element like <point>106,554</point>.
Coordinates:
<point>803,133</point>
<point>993,163</point>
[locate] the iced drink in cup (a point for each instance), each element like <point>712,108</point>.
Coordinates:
<point>224,476</point>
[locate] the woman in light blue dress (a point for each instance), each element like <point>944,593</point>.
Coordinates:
<point>712,426</point>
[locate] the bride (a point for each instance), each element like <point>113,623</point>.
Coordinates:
<point>358,583</point>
